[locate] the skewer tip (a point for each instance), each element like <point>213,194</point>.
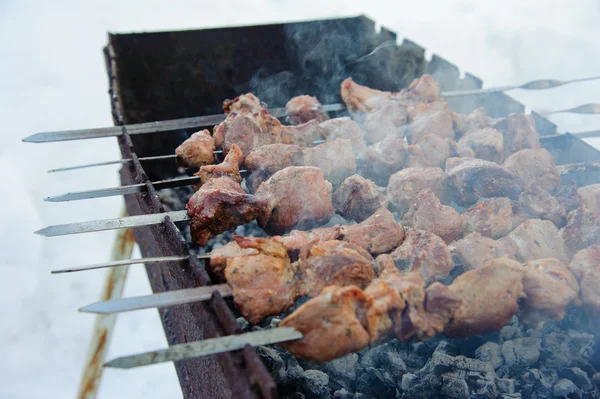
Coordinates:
<point>43,232</point>
<point>119,363</point>
<point>34,138</point>
<point>95,307</point>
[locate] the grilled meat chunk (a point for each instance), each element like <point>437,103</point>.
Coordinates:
<point>247,130</point>
<point>519,133</point>
<point>537,239</point>
<point>567,196</point>
<point>299,242</point>
<point>581,231</point>
<point>302,109</point>
<point>220,205</point>
<point>475,120</point>
<point>357,198</point>
<point>430,151</point>
<point>471,179</point>
<point>334,158</point>
<point>549,287</point>
<point>360,98</point>
<point>219,256</point>
<point>262,284</point>
<point>387,120</point>
<point>335,263</point>
<point>329,324</point>
<point>197,150</point>
<point>491,217</point>
<point>537,203</point>
<point>248,102</point>
<point>426,253</point>
<point>302,135</point>
<point>386,307</point>
<point>586,268</point>
<point>486,143</point>
<point>263,161</point>
<point>380,160</point>
<point>345,128</point>
<point>427,213</point>
<point>425,88</point>
<point>590,196</point>
<point>475,250</point>
<point>430,118</point>
<point>534,166</point>
<point>229,167</point>
<point>489,295</point>
<point>377,234</point>
<point>404,186</point>
<point>296,197</point>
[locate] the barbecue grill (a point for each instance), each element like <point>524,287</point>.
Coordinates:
<point>172,75</point>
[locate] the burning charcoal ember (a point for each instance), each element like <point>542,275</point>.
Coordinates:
<point>486,143</point>
<point>296,197</point>
<point>345,128</point>
<point>229,167</point>
<point>377,234</point>
<point>375,383</point>
<point>362,98</point>
<point>263,162</point>
<point>302,135</point>
<point>334,158</point>
<point>491,217</point>
<point>302,109</point>
<point>537,239</point>
<point>387,120</point>
<point>430,151</point>
<point>426,253</point>
<point>590,196</point>
<point>335,263</point>
<point>581,231</point>
<point>381,160</point>
<point>429,118</point>
<point>247,130</point>
<point>489,295</point>
<point>329,324</point>
<point>315,384</point>
<point>220,205</point>
<point>248,102</point>
<point>537,203</point>
<point>519,133</point>
<point>262,284</point>
<point>196,151</point>
<point>475,120</point>
<point>299,240</point>
<point>404,186</point>
<point>427,213</point>
<point>357,198</point>
<point>534,166</point>
<point>549,287</point>
<point>475,250</point>
<point>219,256</point>
<point>586,267</point>
<point>425,88</point>
<point>470,179</point>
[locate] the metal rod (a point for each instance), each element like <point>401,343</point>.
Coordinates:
<point>118,161</point>
<point>590,109</point>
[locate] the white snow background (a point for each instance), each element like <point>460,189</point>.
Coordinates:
<point>52,77</point>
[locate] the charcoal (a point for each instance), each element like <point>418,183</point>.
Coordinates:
<point>385,357</point>
<point>314,384</point>
<point>510,332</point>
<point>482,385</point>
<point>454,385</point>
<point>566,389</point>
<point>342,372</point>
<point>244,325</point>
<point>377,383</point>
<point>541,381</point>
<point>521,352</point>
<point>295,395</point>
<point>596,379</point>
<point>343,394</point>
<point>491,353</point>
<point>506,385</point>
<point>577,376</point>
<point>407,381</point>
<point>516,395</point>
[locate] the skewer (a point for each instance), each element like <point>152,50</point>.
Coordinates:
<point>589,109</point>
<point>211,120</point>
<point>127,262</point>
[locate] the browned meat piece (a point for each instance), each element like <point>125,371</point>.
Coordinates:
<point>567,196</point>
<point>248,102</point>
<point>247,130</point>
<point>334,158</point>
<point>404,186</point>
<point>329,325</point>
<point>296,197</point>
<point>519,133</point>
<point>302,109</point>
<point>492,217</point>
<point>387,120</point>
<point>219,256</point>
<point>486,143</point>
<point>537,203</point>
<point>263,161</point>
<point>475,120</point>
<point>489,295</point>
<point>425,88</point>
<point>386,307</point>
<point>220,205</point>
<point>475,250</point>
<point>426,253</point>
<point>537,239</point>
<point>261,284</point>
<point>380,160</point>
<point>430,118</point>
<point>229,167</point>
<point>534,166</point>
<point>377,234</point>
<point>470,179</point>
<point>459,151</point>
<point>345,128</point>
<point>549,288</point>
<point>586,267</point>
<point>427,213</point>
<point>362,98</point>
<point>590,195</point>
<point>430,151</point>
<point>302,135</point>
<point>440,305</point>
<point>196,151</point>
<point>357,198</point>
<point>581,231</point>
<point>299,241</point>
<point>335,263</point>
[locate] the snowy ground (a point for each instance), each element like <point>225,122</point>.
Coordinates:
<point>53,78</point>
